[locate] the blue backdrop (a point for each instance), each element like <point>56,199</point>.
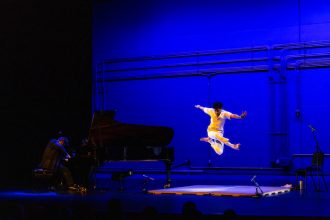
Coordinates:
<point>284,85</point>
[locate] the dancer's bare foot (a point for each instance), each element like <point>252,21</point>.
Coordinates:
<point>205,139</point>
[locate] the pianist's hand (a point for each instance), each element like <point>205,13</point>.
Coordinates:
<point>67,157</point>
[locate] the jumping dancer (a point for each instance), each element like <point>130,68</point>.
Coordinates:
<point>215,130</point>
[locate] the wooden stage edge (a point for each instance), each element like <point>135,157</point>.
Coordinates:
<point>221,190</point>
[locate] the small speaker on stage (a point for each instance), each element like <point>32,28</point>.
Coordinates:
<point>282,162</point>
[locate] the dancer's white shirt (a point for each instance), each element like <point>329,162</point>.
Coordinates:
<point>217,123</point>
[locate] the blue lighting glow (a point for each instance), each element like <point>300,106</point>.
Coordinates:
<point>272,95</point>
<point>29,194</point>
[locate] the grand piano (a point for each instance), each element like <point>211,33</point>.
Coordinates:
<point>112,140</point>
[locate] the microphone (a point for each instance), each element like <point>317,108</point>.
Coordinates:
<point>312,128</point>
<point>253,178</point>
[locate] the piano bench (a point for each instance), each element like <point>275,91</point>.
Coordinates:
<point>44,179</point>
<point>42,173</point>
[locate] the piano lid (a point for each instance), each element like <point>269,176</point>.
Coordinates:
<point>106,131</point>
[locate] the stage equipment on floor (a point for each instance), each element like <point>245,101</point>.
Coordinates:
<point>222,190</point>
<point>259,191</point>
<point>146,180</point>
<point>315,170</point>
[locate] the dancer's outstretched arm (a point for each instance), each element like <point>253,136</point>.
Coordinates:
<point>199,107</point>
<point>241,116</point>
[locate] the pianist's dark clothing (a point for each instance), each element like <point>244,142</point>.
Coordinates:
<point>52,160</point>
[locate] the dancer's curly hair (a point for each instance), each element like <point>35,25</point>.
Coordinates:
<point>217,105</point>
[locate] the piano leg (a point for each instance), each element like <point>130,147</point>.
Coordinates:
<point>168,164</point>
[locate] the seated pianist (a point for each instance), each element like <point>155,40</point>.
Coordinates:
<point>53,159</point>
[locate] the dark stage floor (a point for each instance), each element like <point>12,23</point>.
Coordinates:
<point>107,202</point>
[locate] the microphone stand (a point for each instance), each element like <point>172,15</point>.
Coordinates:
<point>258,188</point>
<point>145,183</point>
<point>317,155</point>
<point>317,146</point>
